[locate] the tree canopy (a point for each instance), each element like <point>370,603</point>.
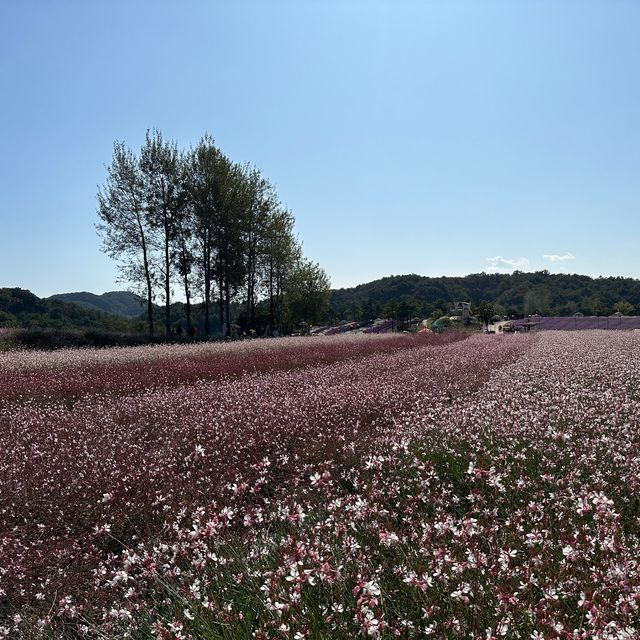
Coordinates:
<point>212,226</point>
<point>517,293</point>
<point>485,312</point>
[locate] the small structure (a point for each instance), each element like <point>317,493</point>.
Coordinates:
<point>462,312</point>
<point>441,323</point>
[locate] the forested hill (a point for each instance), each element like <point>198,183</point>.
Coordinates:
<point>21,308</point>
<point>517,293</point>
<point>118,311</point>
<point>117,303</point>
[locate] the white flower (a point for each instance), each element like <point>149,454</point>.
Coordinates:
<point>372,588</point>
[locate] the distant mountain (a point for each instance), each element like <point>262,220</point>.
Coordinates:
<point>515,293</point>
<point>398,296</point>
<point>132,307</point>
<point>21,308</point>
<point>117,303</point>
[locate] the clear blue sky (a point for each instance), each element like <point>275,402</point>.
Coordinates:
<point>439,138</point>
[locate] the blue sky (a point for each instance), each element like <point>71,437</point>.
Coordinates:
<point>439,138</point>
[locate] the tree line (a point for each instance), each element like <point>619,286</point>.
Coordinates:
<point>516,294</point>
<point>213,228</point>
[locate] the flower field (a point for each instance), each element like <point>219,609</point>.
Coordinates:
<point>378,486</point>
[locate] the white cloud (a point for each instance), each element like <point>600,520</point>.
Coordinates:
<point>557,258</point>
<point>500,264</point>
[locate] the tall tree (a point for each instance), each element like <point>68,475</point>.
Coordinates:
<point>485,312</point>
<point>161,173</point>
<point>281,253</point>
<point>185,243</point>
<point>390,310</point>
<point>124,226</point>
<point>217,197</point>
<point>261,201</point>
<point>229,246</point>
<point>204,221</point>
<point>203,187</point>
<point>308,290</point>
<point>623,307</point>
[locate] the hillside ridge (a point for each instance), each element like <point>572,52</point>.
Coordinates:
<point>22,308</point>
<point>513,293</point>
<point>411,294</point>
<point>119,303</point>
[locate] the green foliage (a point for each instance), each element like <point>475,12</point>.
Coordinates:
<point>485,312</point>
<point>623,307</point>
<point>200,220</point>
<point>8,319</point>
<point>307,294</point>
<point>161,172</point>
<point>517,293</point>
<point>117,303</point>
<point>50,339</point>
<point>21,308</point>
<point>125,226</point>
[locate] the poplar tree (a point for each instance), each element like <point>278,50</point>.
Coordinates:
<point>203,186</point>
<point>281,252</point>
<point>161,175</point>
<point>228,245</point>
<point>125,229</point>
<point>262,201</point>
<point>307,294</point>
<point>185,252</point>
<point>209,223</point>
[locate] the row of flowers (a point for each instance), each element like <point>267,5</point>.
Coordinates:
<point>483,488</point>
<point>51,375</point>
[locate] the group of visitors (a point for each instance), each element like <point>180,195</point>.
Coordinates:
<point>192,332</point>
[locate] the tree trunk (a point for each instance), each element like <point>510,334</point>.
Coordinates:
<point>167,282</point>
<point>271,300</point>
<point>207,304</point>
<point>186,263</point>
<point>206,264</point>
<point>147,274</point>
<point>251,283</point>
<point>279,303</point>
<point>227,305</point>
<point>221,304</point>
<point>250,309</point>
<point>188,298</point>
<point>149,299</point>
